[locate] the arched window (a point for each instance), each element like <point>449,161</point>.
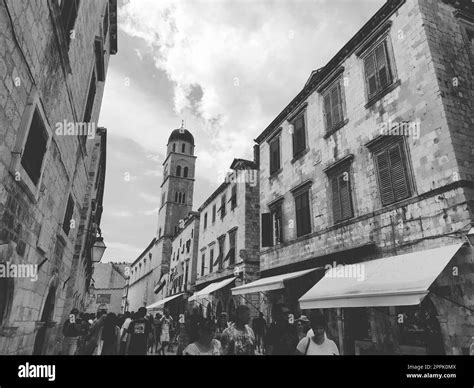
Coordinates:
<point>178,171</point>
<point>176,197</point>
<point>179,197</point>
<point>183,148</point>
<point>184,197</point>
<point>174,147</point>
<point>185,172</point>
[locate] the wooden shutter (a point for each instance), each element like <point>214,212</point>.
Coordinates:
<point>267,230</point>
<point>385,182</point>
<point>398,172</point>
<point>345,196</point>
<point>303,222</point>
<point>382,66</point>
<point>370,74</point>
<point>298,135</point>
<point>275,155</point>
<point>335,104</point>
<point>336,203</point>
<point>327,111</point>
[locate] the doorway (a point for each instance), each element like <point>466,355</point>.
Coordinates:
<point>42,336</point>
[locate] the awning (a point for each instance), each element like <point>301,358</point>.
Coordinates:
<point>163,301</point>
<point>401,280</point>
<point>213,287</point>
<point>271,283</point>
<point>158,288</point>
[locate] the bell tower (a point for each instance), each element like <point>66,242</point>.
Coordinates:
<point>177,187</point>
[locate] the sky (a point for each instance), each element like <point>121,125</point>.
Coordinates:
<point>226,67</point>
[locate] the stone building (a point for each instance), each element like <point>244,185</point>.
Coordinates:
<point>182,274</point>
<point>106,290</point>
<point>149,269</point>
<point>53,65</point>
<point>229,241</point>
<point>371,167</point>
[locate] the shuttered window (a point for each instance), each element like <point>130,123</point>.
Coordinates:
<point>213,213</point>
<point>392,174</point>
<point>333,109</point>
<point>205,221</point>
<point>341,196</point>
<point>267,229</point>
<point>232,238</point>
<point>378,74</point>
<point>277,224</point>
<point>223,203</point>
<point>275,155</point>
<point>211,260</point>
<point>303,220</point>
<point>233,198</point>
<point>203,263</point>
<point>69,10</point>
<point>68,215</point>
<point>299,137</point>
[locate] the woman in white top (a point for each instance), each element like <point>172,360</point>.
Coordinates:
<point>206,345</point>
<point>319,343</point>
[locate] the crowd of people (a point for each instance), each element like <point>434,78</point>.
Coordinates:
<point>140,333</point>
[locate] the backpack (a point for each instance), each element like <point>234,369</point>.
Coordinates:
<point>307,346</point>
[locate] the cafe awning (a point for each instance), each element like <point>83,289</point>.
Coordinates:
<point>162,302</point>
<point>267,284</point>
<point>401,280</point>
<point>213,287</point>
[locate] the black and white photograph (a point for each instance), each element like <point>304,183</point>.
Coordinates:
<point>259,178</point>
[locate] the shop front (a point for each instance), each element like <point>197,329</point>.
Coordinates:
<point>403,305</point>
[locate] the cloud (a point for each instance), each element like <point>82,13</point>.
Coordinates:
<point>149,197</point>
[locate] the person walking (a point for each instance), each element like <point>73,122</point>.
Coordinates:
<point>110,336</point>
<point>259,325</point>
<point>124,332</point>
<point>303,326</point>
<point>206,344</point>
<point>139,332</point>
<point>72,332</point>
<point>282,337</point>
<point>94,336</point>
<point>239,339</point>
<point>157,331</point>
<point>166,322</point>
<point>222,324</point>
<point>151,337</point>
<point>318,344</point>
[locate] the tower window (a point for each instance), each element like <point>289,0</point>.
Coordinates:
<point>176,197</point>
<point>184,197</point>
<point>178,171</point>
<point>183,148</point>
<point>185,171</point>
<point>174,147</point>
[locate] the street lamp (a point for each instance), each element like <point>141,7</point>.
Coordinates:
<point>98,249</point>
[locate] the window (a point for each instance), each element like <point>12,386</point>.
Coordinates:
<point>231,254</point>
<point>333,106</point>
<point>90,99</point>
<point>213,213</point>
<point>35,148</point>
<point>378,74</point>
<point>68,215</point>
<point>277,223</point>
<point>203,261</point>
<point>174,147</point>
<point>185,172</point>
<point>186,273</point>
<point>211,260</point>
<point>99,58</point>
<point>178,171</point>
<point>106,21</point>
<point>341,195</point>
<point>184,197</point>
<point>275,155</point>
<point>176,196</point>
<point>69,10</point>
<point>233,198</point>
<point>220,258</point>
<point>392,173</point>
<point>205,221</point>
<point>303,217</point>
<point>299,137</point>
<point>183,148</point>
<point>223,200</point>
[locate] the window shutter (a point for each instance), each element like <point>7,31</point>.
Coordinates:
<point>336,203</point>
<point>335,102</point>
<point>267,230</point>
<point>345,196</point>
<point>370,76</point>
<point>382,65</point>
<point>327,111</point>
<point>398,173</point>
<point>385,183</point>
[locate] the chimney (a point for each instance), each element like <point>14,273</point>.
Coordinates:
<point>256,155</point>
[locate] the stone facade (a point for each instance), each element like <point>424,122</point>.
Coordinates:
<point>107,288</point>
<point>46,83</point>
<point>240,219</point>
<point>429,47</point>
